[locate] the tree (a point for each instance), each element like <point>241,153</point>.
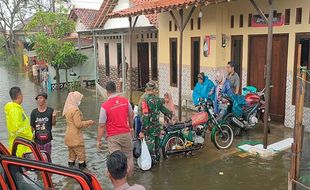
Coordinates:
<point>68,57</point>
<point>11,13</point>
<point>50,44</point>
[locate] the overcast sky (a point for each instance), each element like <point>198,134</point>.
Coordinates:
<point>91,4</point>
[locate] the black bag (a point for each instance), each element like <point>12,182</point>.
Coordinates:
<point>136,148</point>
<point>42,135</point>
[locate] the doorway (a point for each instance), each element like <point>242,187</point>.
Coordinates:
<point>154,61</point>
<point>304,40</point>
<point>143,64</point>
<point>256,70</point>
<point>236,54</point>
<point>119,59</point>
<point>195,60</point>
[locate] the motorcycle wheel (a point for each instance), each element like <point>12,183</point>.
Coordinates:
<point>237,130</point>
<point>172,143</point>
<point>223,139</point>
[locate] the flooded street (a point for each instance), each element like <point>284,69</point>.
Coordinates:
<point>200,171</point>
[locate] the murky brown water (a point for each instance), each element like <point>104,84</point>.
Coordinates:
<point>200,171</point>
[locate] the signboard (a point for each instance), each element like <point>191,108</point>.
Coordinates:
<point>258,21</point>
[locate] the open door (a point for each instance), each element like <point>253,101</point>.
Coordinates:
<point>236,54</point>
<point>23,174</point>
<point>143,64</point>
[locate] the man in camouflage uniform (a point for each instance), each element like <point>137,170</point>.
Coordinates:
<point>150,119</point>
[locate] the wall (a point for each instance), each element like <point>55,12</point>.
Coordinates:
<point>137,38</point>
<point>85,71</point>
<point>123,22</point>
<point>215,22</point>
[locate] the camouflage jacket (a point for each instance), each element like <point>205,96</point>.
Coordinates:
<point>151,120</point>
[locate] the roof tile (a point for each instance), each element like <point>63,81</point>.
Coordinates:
<point>87,16</point>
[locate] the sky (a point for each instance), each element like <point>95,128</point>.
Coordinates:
<point>91,4</point>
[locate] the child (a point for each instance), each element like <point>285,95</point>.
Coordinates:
<point>75,124</point>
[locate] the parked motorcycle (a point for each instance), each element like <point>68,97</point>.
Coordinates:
<point>251,112</point>
<point>191,135</point>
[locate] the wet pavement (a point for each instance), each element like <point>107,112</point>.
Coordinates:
<point>202,170</point>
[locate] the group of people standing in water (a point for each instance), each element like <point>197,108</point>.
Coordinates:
<point>115,119</point>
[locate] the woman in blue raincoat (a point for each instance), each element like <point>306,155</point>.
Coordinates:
<point>203,89</point>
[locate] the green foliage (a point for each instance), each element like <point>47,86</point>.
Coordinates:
<point>56,25</point>
<point>46,47</point>
<point>305,179</point>
<point>14,60</point>
<point>68,57</point>
<point>49,41</point>
<point>2,49</point>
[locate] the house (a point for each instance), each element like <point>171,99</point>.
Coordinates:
<point>113,41</point>
<point>219,31</point>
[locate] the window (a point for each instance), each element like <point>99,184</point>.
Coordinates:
<point>232,21</point>
<point>192,24</point>
<point>119,59</point>
<point>175,27</point>
<point>250,20</point>
<point>241,21</point>
<point>173,62</point>
<point>107,59</point>
<point>170,26</point>
<point>298,15</point>
<point>287,16</point>
<point>198,23</point>
<point>32,179</point>
<point>154,60</point>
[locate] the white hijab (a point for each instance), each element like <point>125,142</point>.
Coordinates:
<point>73,101</point>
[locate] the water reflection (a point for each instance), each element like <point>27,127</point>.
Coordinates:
<point>201,171</point>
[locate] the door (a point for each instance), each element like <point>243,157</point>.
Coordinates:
<point>143,64</point>
<point>154,61</point>
<point>236,54</point>
<point>195,60</point>
<point>119,59</point>
<point>256,70</point>
<point>304,40</point>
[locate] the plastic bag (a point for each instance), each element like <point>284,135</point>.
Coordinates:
<point>136,148</point>
<point>145,160</point>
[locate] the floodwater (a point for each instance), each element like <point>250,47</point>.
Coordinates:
<point>200,171</point>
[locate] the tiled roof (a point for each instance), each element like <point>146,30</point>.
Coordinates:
<point>107,8</point>
<point>152,17</point>
<point>87,16</point>
<point>156,6</point>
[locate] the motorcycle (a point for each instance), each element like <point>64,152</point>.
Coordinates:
<point>252,111</point>
<point>191,135</point>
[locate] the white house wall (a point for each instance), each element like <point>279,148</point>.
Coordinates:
<point>123,22</point>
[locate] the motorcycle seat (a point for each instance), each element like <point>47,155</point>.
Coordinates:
<point>179,126</point>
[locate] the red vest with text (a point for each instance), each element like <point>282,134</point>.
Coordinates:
<point>117,116</point>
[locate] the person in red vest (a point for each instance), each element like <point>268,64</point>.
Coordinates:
<point>116,121</point>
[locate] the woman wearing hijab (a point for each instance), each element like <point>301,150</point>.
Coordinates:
<point>170,106</point>
<point>203,88</point>
<point>75,124</point>
<point>222,88</point>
